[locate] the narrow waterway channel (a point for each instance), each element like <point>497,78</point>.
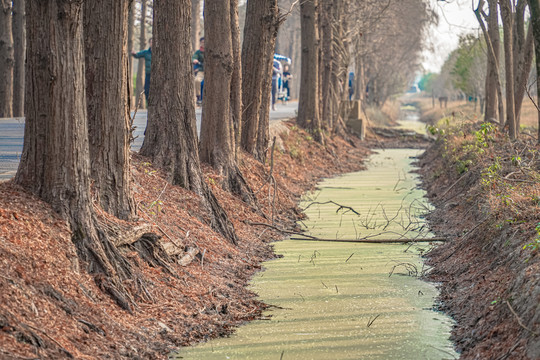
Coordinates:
<point>336,300</point>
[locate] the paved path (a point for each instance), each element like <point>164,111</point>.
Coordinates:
<point>12,133</point>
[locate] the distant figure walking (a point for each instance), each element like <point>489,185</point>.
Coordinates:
<point>286,77</point>
<point>147,55</point>
<point>276,74</point>
<point>198,68</point>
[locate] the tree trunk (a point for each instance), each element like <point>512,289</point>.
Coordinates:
<point>260,34</point>
<point>55,164</point>
<point>308,106</point>
<point>217,127</point>
<point>236,81</point>
<point>19,50</point>
<point>171,136</point>
<point>534,6</point>
<point>131,30</point>
<point>222,56</point>
<point>506,14</point>
<point>139,86</point>
<point>522,66</point>
<point>195,24</point>
<point>327,35</point>
<point>493,37</point>
<point>107,94</point>
<point>6,60</point>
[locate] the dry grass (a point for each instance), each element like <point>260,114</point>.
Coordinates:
<point>430,114</point>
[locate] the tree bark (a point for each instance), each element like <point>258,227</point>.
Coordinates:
<point>327,35</point>
<point>217,128</point>
<point>492,37</point>
<point>195,24</point>
<point>107,94</point>
<point>236,81</point>
<point>220,116</point>
<point>523,54</point>
<point>308,106</point>
<point>534,6</point>
<point>19,50</point>
<point>171,136</point>
<point>139,85</point>
<point>260,32</point>
<point>55,164</point>
<point>6,60</point>
<point>506,13</point>
<point>131,30</point>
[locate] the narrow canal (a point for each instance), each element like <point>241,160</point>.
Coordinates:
<point>338,300</point>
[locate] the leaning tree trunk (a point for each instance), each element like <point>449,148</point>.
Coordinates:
<point>171,136</point>
<point>308,106</point>
<point>107,94</point>
<point>260,32</point>
<point>55,164</point>
<point>139,85</point>
<point>19,49</point>
<point>506,14</point>
<point>534,6</point>
<point>6,60</point>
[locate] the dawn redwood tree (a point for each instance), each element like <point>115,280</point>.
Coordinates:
<point>171,137</point>
<point>139,85</point>
<point>131,30</point>
<point>107,94</point>
<point>222,105</point>
<point>534,6</point>
<point>236,81</point>
<point>494,98</point>
<point>523,57</point>
<point>327,55</point>
<point>507,20</point>
<point>55,164</point>
<point>260,32</point>
<point>195,24</point>
<point>492,78</point>
<point>19,47</point>
<point>308,103</point>
<point>6,60</point>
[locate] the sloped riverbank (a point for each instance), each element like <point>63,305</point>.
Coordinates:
<point>486,190</point>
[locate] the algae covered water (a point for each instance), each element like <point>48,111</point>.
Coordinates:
<point>335,300</point>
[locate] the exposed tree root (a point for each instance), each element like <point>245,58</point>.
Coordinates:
<point>220,221</point>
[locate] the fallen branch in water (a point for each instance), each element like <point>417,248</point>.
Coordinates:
<point>335,203</point>
<point>372,241</point>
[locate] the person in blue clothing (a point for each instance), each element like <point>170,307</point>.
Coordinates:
<point>147,55</point>
<point>276,74</point>
<point>198,68</point>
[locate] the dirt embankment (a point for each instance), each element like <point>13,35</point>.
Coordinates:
<point>51,308</point>
<point>487,195</point>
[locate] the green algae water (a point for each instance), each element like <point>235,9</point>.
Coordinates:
<point>336,300</point>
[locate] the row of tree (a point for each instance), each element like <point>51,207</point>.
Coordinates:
<point>478,69</point>
<point>375,44</point>
<point>78,127</point>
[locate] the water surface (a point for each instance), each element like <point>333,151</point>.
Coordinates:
<point>347,300</point>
